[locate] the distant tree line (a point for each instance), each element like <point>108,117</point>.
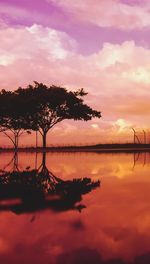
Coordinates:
<point>39,108</point>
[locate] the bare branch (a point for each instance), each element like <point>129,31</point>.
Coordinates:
<point>9,137</point>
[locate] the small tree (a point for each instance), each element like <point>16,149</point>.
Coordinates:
<point>13,115</point>
<point>48,106</point>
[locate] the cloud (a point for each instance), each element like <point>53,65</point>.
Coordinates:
<point>95,126</point>
<point>121,125</point>
<point>13,11</point>
<point>124,15</point>
<point>24,43</point>
<point>18,14</point>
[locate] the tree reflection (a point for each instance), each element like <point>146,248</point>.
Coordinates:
<point>38,189</point>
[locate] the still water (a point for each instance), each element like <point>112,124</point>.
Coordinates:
<point>108,224</point>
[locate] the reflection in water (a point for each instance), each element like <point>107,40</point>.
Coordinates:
<point>92,256</point>
<point>41,189</point>
<point>114,229</point>
<point>142,157</point>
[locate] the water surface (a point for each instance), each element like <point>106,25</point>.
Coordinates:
<point>113,225</point>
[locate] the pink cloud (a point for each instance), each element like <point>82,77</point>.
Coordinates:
<point>108,13</point>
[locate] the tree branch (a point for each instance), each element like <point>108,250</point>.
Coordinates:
<point>9,137</point>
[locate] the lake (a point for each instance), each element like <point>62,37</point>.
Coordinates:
<point>106,223</point>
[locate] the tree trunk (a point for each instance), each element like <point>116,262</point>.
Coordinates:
<point>44,140</point>
<point>44,160</point>
<point>16,143</point>
<point>36,139</point>
<point>15,165</point>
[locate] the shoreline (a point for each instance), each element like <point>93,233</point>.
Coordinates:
<point>100,148</point>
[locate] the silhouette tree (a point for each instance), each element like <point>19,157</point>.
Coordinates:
<point>48,106</point>
<point>13,116</point>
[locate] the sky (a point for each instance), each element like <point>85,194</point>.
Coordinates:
<point>100,45</point>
